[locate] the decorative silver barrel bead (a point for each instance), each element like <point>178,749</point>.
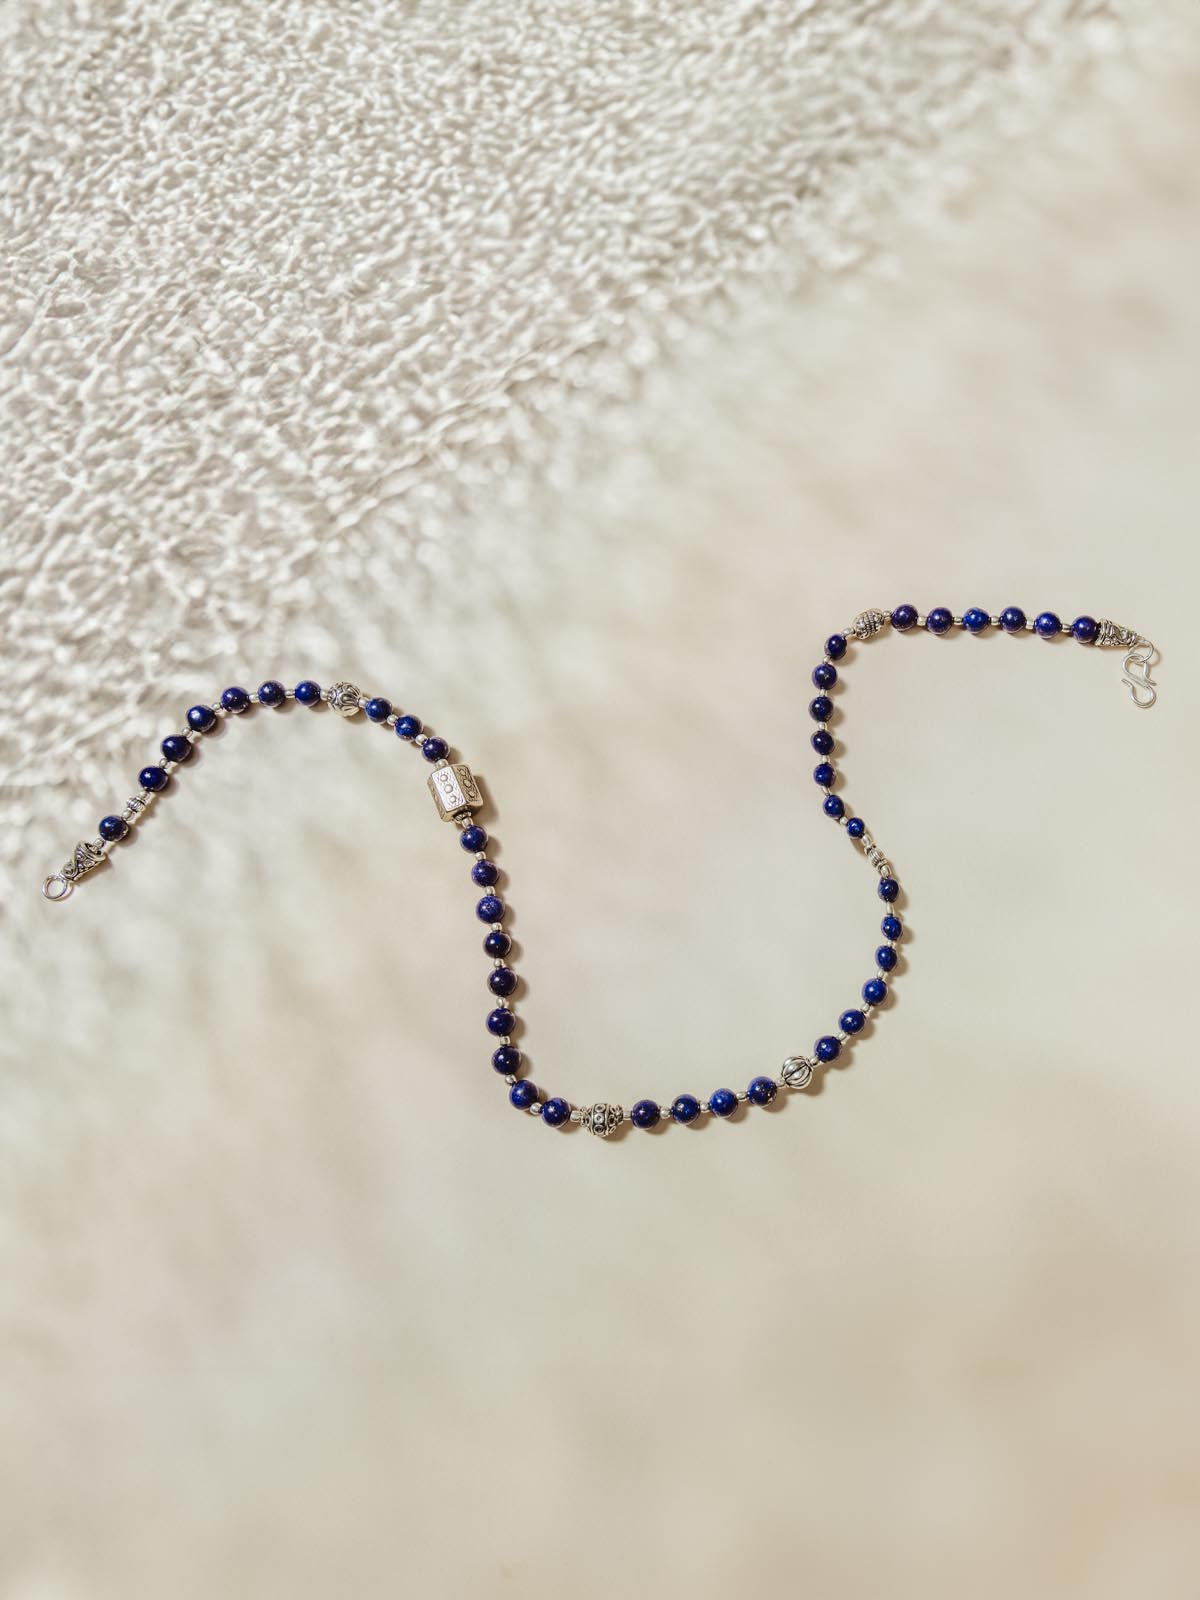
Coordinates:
<point>797,1072</point>
<point>867,624</point>
<point>1112,636</point>
<point>601,1119</point>
<point>454,789</point>
<point>345,699</point>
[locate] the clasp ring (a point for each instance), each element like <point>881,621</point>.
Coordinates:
<point>56,887</point>
<point>1142,689</point>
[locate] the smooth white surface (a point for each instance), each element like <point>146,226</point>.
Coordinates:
<point>294,1304</point>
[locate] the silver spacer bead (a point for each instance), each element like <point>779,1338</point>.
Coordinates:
<point>601,1119</point>
<point>344,698</point>
<point>797,1072</point>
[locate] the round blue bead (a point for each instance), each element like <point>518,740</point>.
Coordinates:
<point>523,1094</point>
<point>1012,619</point>
<point>856,827</point>
<point>885,957</point>
<point>821,708</point>
<point>176,748</point>
<point>497,942</point>
<point>555,1112</point>
<point>378,709</point>
<point>501,1021</point>
<point>722,1102</point>
<point>271,693</point>
<point>904,618</point>
<point>891,927</point>
<point>308,693</point>
<point>507,1059</point>
<point>235,700</point>
<point>852,1021</point>
<point>490,908</point>
<point>874,991</point>
<point>939,620</point>
<point>153,778</point>
<point>113,828</point>
<point>824,775</point>
<point>434,749</point>
<point>408,727</point>
<point>502,981</point>
<point>822,741</point>
<point>833,805</point>
<point>201,718</point>
<point>473,838</point>
<point>484,873</point>
<point>1047,625</point>
<point>1085,629</point>
<point>827,1048</point>
<point>645,1114</point>
<point>761,1091</point>
<point>835,646</point>
<point>975,620</point>
<point>889,889</point>
<point>685,1108</point>
<point>824,675</point>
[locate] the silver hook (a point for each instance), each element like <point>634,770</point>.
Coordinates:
<point>1142,689</point>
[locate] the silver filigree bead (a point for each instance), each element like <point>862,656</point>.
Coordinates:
<point>867,624</point>
<point>1112,636</point>
<point>345,699</point>
<point>601,1119</point>
<point>798,1072</point>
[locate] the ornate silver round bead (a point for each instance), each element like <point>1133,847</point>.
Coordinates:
<point>601,1119</point>
<point>797,1072</point>
<point>345,699</point>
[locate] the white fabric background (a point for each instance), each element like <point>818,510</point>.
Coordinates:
<point>567,373</point>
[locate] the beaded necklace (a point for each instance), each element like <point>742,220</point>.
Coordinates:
<point>457,797</point>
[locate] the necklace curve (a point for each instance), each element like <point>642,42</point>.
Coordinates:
<point>457,797</point>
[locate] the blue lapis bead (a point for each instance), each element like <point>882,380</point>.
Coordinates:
<point>891,927</point>
<point>201,718</point>
<point>904,618</point>
<point>408,727</point>
<point>1047,625</point>
<point>856,827</point>
<point>523,1094</point>
<point>473,838</point>
<point>833,806</point>
<point>835,646</point>
<point>507,1059</point>
<point>113,828</point>
<point>1085,629</point>
<point>761,1091</point>
<point>378,709</point>
<point>852,1021</point>
<point>975,620</point>
<point>484,873</point>
<point>722,1102</point>
<point>827,1048</point>
<point>176,748</point>
<point>502,981</point>
<point>645,1114</point>
<point>889,889</point>
<point>824,775</point>
<point>490,908</point>
<point>308,693</point>
<point>497,942</point>
<point>822,741</point>
<point>153,779</point>
<point>939,620</point>
<point>271,693</point>
<point>825,675</point>
<point>874,991</point>
<point>235,701</point>
<point>885,957</point>
<point>555,1112</point>
<point>820,709</point>
<point>685,1108</point>
<point>501,1021</point>
<point>1012,619</point>
<point>434,749</point>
